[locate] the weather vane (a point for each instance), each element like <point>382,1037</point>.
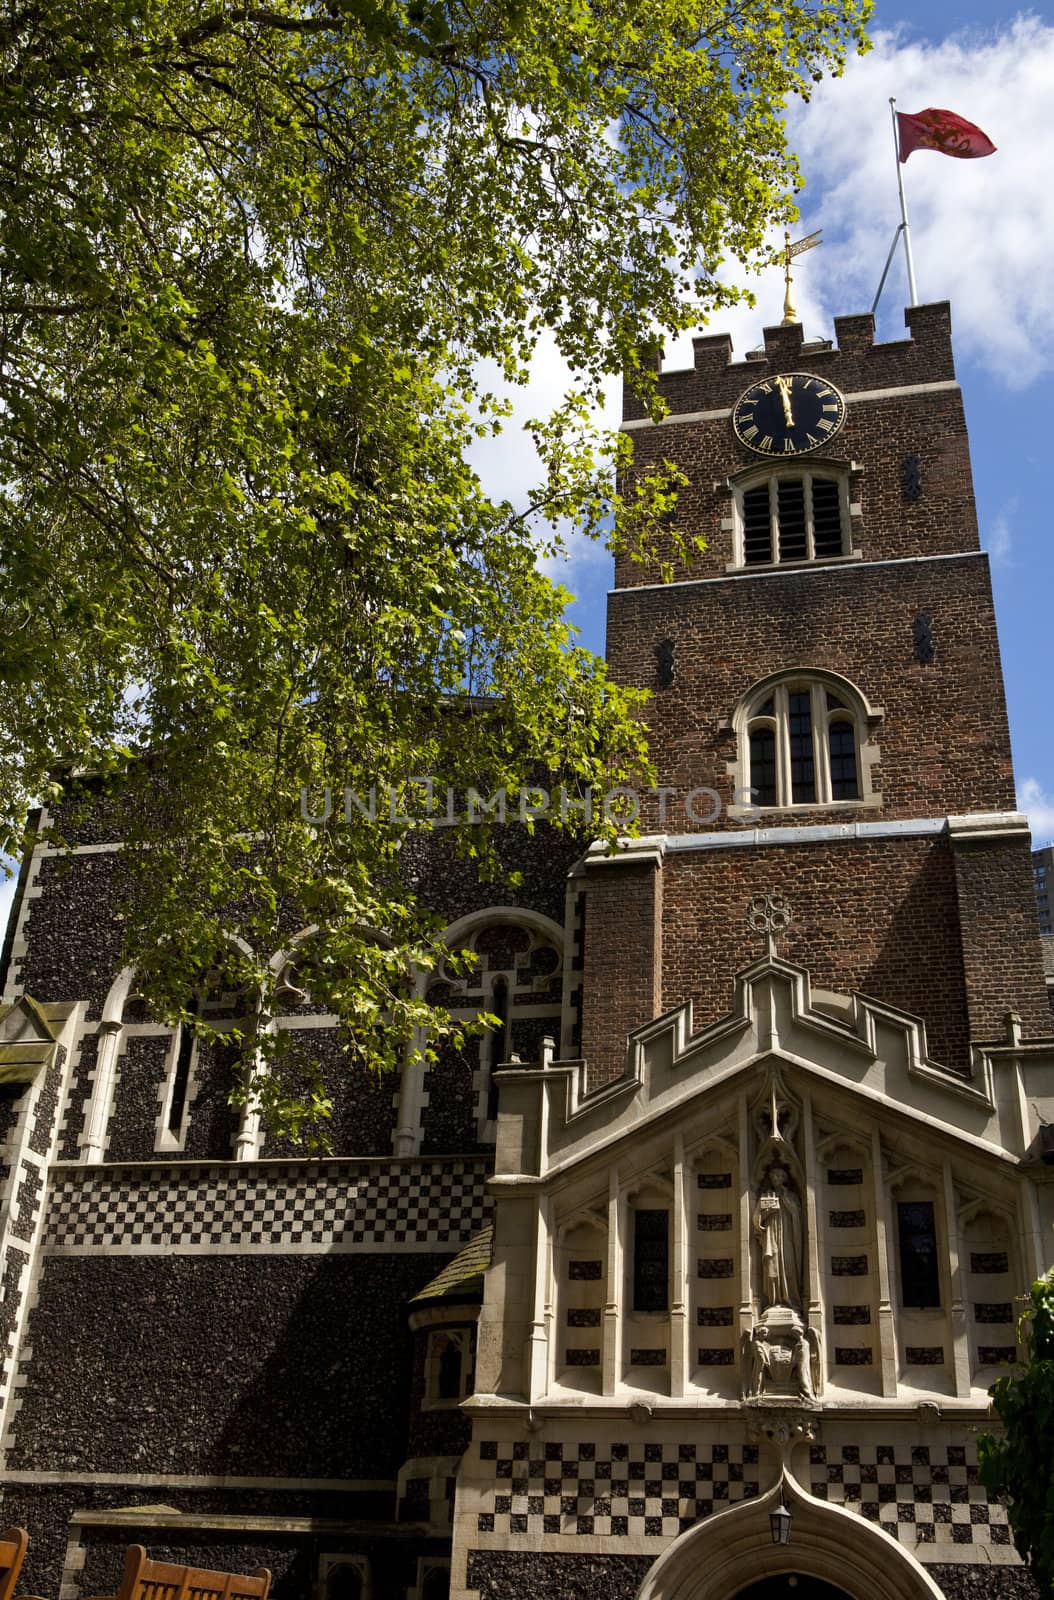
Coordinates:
<point>790,316</point>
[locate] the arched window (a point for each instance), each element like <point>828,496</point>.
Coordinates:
<point>804,742</point>
<point>435,1582</point>
<point>517,977</point>
<point>345,1578</point>
<point>433,1579</point>
<point>450,1364</point>
<point>180,1082</point>
<point>791,515</point>
<point>448,1368</point>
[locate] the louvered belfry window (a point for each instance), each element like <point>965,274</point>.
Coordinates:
<point>799,517</point>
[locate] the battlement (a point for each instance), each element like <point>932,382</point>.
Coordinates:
<point>854,362</point>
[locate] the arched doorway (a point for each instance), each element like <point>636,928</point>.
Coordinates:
<point>792,1586</point>
<point>730,1556</point>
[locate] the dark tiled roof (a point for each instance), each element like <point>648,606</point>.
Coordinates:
<point>462,1278</point>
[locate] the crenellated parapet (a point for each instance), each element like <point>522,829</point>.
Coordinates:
<point>853,361</point>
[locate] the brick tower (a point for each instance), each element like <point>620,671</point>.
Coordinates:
<point>766,1238</point>
<point>843,586</point>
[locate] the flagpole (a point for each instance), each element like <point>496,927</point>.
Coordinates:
<point>913,291</point>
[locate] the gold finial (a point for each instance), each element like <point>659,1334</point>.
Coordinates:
<point>790,316</point>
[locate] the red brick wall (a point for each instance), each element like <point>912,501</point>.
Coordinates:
<point>880,917</point>
<point>1001,949</point>
<point>948,935</point>
<point>855,362</point>
<point>877,435</point>
<point>944,742</point>
<point>621,988</point>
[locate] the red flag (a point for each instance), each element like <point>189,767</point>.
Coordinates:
<point>941,130</point>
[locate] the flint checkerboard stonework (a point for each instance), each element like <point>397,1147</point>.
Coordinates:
<point>620,1490</point>
<point>297,1206</point>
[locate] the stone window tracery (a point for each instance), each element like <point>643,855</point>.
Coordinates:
<point>804,739</point>
<point>517,977</point>
<point>180,1072</point>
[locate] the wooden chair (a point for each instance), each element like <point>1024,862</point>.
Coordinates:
<point>13,1542</point>
<point>144,1579</point>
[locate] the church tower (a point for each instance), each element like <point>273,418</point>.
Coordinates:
<point>833,676</point>
<point>765,1242</point>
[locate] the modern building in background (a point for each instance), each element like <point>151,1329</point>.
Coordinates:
<point>1043,872</point>
<point>733,1216</point>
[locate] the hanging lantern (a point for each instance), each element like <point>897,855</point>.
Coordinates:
<point>780,1523</point>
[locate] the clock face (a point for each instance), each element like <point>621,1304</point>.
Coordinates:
<point>788,415</point>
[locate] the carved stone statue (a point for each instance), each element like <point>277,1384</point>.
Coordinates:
<point>760,1357</point>
<point>806,1363</point>
<point>777,1227</point>
<point>781,1358</point>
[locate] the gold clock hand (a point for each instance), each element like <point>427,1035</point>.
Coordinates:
<point>784,388</point>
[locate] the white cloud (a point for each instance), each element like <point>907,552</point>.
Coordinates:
<point>7,896</point>
<point>508,464</point>
<point>983,230</point>
<point>1001,538</point>
<point>1039,805</point>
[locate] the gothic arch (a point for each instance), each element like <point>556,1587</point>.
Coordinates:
<point>832,702</point>
<point>534,921</point>
<point>408,1132</point>
<point>728,1552</point>
<point>835,681</point>
<point>108,1037</point>
<point>286,956</point>
<point>114,1004</point>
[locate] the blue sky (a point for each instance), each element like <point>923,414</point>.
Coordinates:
<point>984,239</point>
